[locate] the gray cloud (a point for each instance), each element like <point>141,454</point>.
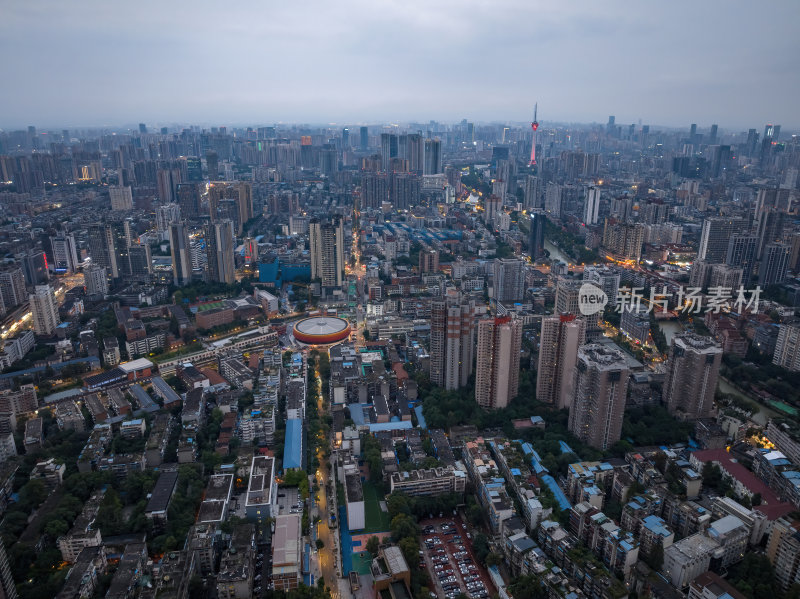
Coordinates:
<point>97,62</point>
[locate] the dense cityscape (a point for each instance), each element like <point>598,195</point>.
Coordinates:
<point>365,300</point>
<point>359,361</point>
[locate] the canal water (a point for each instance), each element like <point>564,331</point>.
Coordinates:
<point>555,253</point>
<point>672,328</point>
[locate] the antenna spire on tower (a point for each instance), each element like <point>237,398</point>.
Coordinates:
<point>534,126</point>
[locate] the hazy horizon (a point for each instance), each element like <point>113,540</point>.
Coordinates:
<point>666,64</point>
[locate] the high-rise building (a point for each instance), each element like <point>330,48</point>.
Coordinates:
<point>552,199</point>
<point>725,276</point>
<point>212,165</point>
<point>712,135</point>
<point>120,234</point>
<point>101,247</point>
<point>12,287</point>
<point>188,198</point>
<point>244,205</point>
<point>497,359</point>
<point>404,190</point>
<point>635,323</point>
<point>741,254</point>
<point>772,132</point>
<point>536,235</point>
<point>603,278</point>
<point>44,310</point>
<point>774,264</point>
<point>8,589</point>
<point>509,280</point>
<point>167,180</point>
<point>374,190</point>
<point>198,256</point>
<point>141,262</point>
<point>433,157</point>
<point>452,341</point>
<point>428,261</point>
<point>181,256</point>
<point>95,279</point>
<point>567,291</point>
<point>364,138</point>
<point>194,169</point>
<point>560,338</point>
<point>326,241</point>
<point>787,348</point>
<point>166,215</point>
<point>567,295</point>
<point>769,228</point>
<point>624,239</point>
<point>121,197</point>
<point>219,248</point>
<point>692,373</point>
<point>601,386</point>
<point>716,234</point>
<point>533,193</point>
<point>328,160</point>
<point>34,267</point>
<point>389,148</point>
<point>591,211</point>
<point>783,550</point>
<point>415,153</point>
<point>65,255</point>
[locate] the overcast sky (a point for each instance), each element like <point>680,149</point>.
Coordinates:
<point>666,62</point>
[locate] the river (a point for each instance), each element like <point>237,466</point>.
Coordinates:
<point>555,253</point>
<point>671,328</point>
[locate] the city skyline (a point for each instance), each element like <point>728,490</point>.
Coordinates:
<point>356,63</point>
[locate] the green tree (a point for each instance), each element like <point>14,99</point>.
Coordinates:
<point>527,587</point>
<point>403,526</point>
<point>56,528</point>
<point>754,577</point>
<point>480,545</point>
<point>410,549</point>
<point>398,503</point>
<point>372,545</point>
<point>494,559</point>
<point>656,559</point>
<point>33,493</point>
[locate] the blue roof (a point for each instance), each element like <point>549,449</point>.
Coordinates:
<point>562,500</point>
<point>293,445</point>
<point>146,402</point>
<point>357,413</point>
<point>527,448</point>
<point>565,448</point>
<point>390,426</point>
<point>656,525</point>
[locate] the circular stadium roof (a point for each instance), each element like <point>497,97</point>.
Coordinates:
<point>321,330</point>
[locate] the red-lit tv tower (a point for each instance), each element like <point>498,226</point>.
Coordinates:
<point>534,126</point>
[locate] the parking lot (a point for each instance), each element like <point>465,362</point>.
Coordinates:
<point>448,556</point>
<point>289,501</point>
